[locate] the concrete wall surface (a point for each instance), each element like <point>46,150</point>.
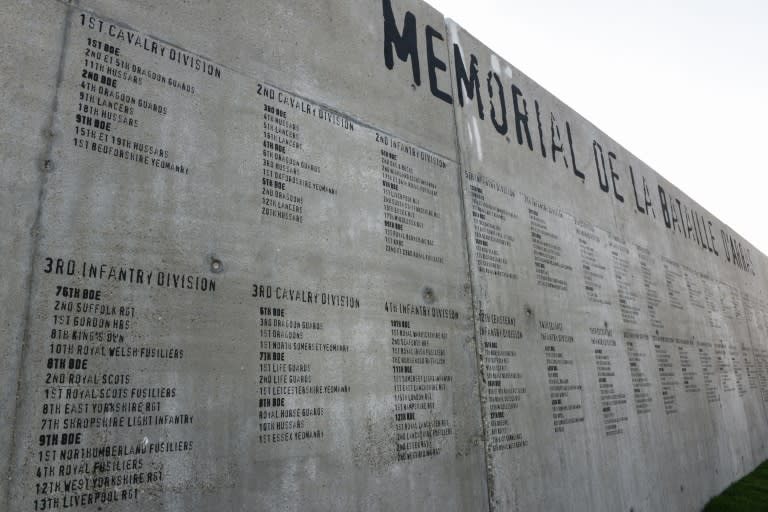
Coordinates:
<point>341,256</point>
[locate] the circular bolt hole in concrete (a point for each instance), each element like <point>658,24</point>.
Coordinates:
<point>429,295</point>
<point>216,266</point>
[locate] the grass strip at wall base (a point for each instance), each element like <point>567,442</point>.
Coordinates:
<point>750,494</point>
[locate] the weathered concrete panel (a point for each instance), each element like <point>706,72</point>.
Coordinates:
<point>28,77</point>
<point>319,50</point>
<point>268,255</point>
<point>240,293</point>
<point>616,363</point>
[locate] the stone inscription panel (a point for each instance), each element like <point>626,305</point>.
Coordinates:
<point>334,257</point>
<point>607,306</point>
<point>231,272</point>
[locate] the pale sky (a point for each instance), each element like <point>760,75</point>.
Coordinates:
<point>683,85</point>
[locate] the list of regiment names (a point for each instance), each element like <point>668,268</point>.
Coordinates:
<point>127,86</point>
<point>422,383</point>
<point>112,408</point>
<point>501,341</point>
<point>108,418</point>
<point>294,354</point>
<point>411,193</point>
<point>490,220</point>
<point>103,423</point>
<point>290,175</point>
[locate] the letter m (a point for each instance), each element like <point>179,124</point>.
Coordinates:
<point>403,43</point>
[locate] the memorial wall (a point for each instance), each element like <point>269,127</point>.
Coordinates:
<point>341,256</point>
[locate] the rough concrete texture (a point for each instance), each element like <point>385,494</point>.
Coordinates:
<point>271,256</point>
<point>28,78</point>
<point>616,354</point>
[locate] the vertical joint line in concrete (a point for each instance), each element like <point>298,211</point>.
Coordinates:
<point>489,477</point>
<point>43,167</point>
